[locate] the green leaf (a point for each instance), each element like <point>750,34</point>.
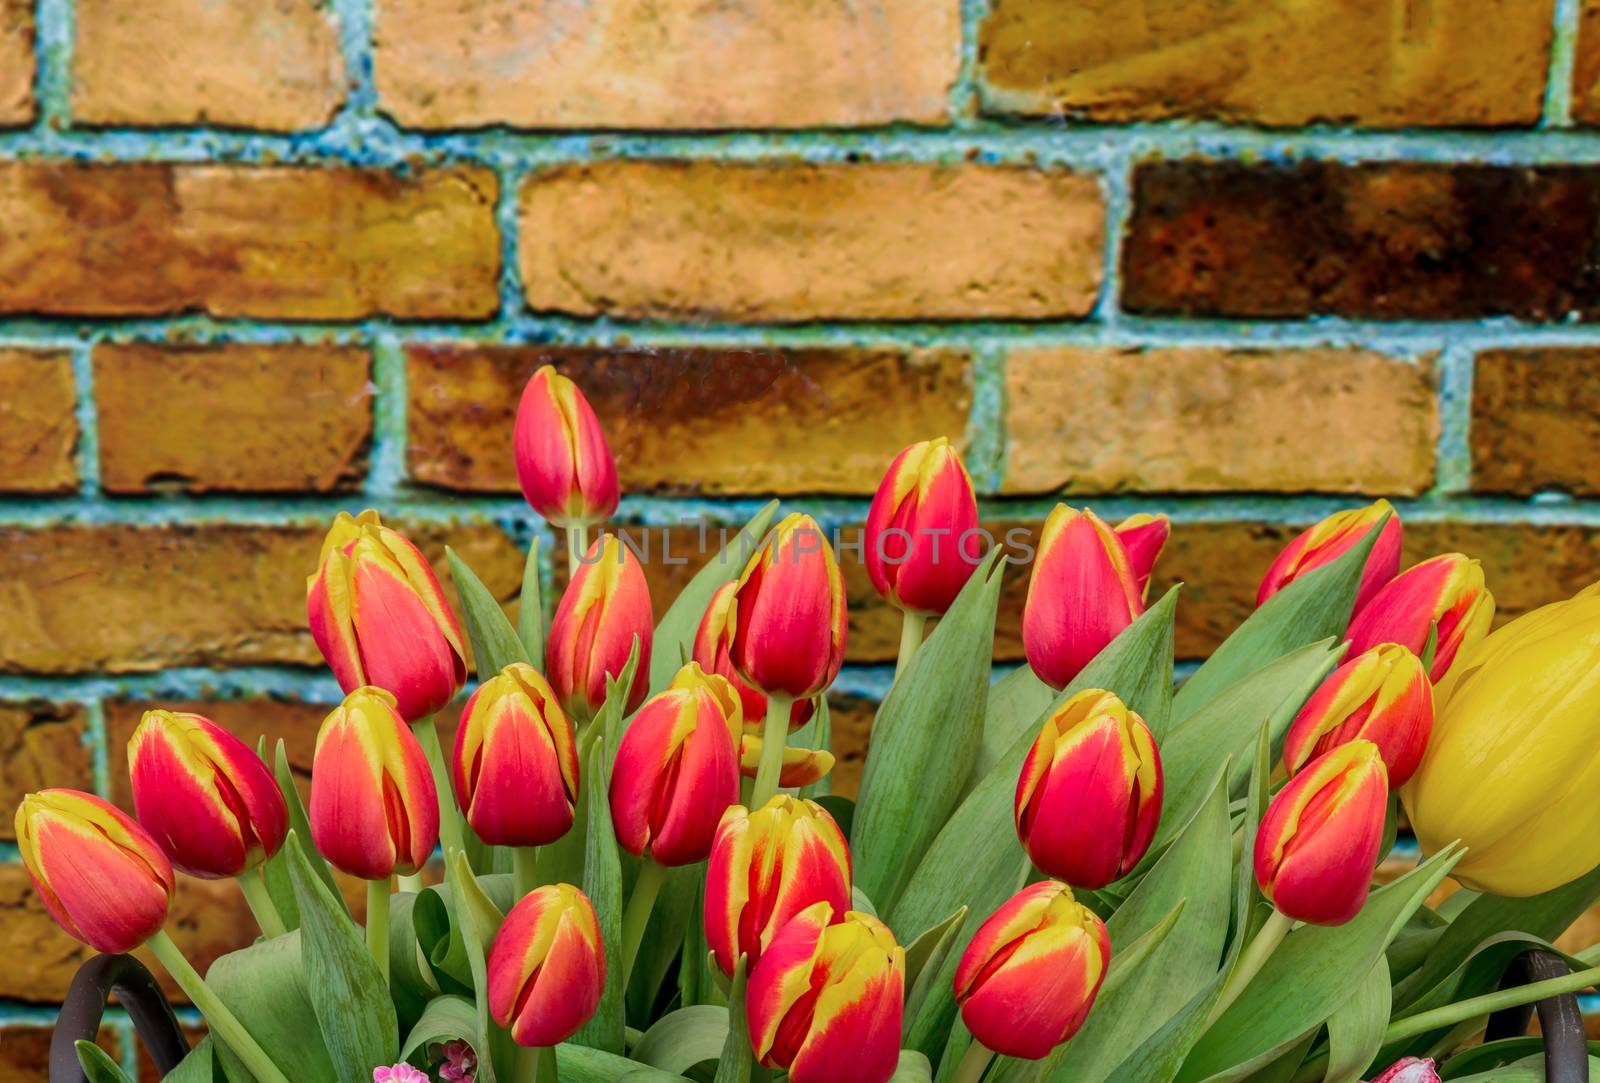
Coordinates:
<point>198,1067</point>
<point>841,808</point>
<point>347,990</point>
<point>1315,606</point>
<point>265,986</point>
<point>679,1040</point>
<point>674,635</point>
<point>411,981</point>
<point>818,734</point>
<point>494,641</point>
<point>477,919</point>
<point>1015,701</point>
<point>1314,971</point>
<point>737,1057</point>
<point>925,957</point>
<point>300,824</point>
<point>913,1068</point>
<point>98,1066</point>
<point>1527,1070</point>
<point>602,882</point>
<point>1355,1029</point>
<point>580,1064</point>
<point>924,741</point>
<point>530,608</point>
<point>275,872</point>
<point>445,1019</point>
<point>1491,1055</point>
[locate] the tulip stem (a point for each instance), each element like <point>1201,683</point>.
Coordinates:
<point>912,626</point>
<point>412,883</point>
<point>525,869</point>
<point>259,899</point>
<point>378,924</point>
<point>637,916</point>
<point>1413,1025</point>
<point>1250,963</point>
<point>577,547</point>
<point>450,830</point>
<point>223,1023</point>
<point>774,736</point>
<point>526,1068</point>
<point>977,1058</point>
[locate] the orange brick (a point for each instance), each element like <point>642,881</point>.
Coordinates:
<point>790,242</point>
<point>1377,63</point>
<point>1536,421</point>
<point>638,64</point>
<point>41,745</point>
<point>1586,69</point>
<point>284,242</point>
<point>1087,420</point>
<point>25,1051</point>
<point>86,599</point>
<point>273,65</point>
<point>693,420</point>
<point>38,423</point>
<point>232,418</point>
<point>16,63</point>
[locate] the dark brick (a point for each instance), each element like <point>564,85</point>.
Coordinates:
<point>1536,421</point>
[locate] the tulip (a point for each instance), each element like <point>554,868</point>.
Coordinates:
<point>1447,591</point>
<point>922,538</point>
<point>826,1001</point>
<point>1333,537</point>
<point>711,651</point>
<point>563,462</point>
<point>1030,974</point>
<point>1409,1070</point>
<point>1083,592</point>
<point>547,967</point>
<point>606,607</point>
<point>1318,842</point>
<point>1144,536</point>
<point>801,766</point>
<point>1089,795</point>
<point>765,868</point>
<point>1383,696</point>
<point>379,618</point>
<point>515,765</point>
<point>1514,765</point>
<point>101,875</point>
<point>207,799</point>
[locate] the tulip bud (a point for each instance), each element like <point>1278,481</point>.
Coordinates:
<point>676,770</point>
<point>1318,842</point>
<point>374,810</point>
<point>605,607</point>
<point>1089,795</point>
<point>515,766</point>
<point>922,536</point>
<point>1383,696</point>
<point>563,461</point>
<point>209,801</point>
<point>1144,536</point>
<point>711,644</point>
<point>1083,592</point>
<point>101,875</point>
<point>801,766</point>
<point>379,618</point>
<point>1447,590</point>
<point>1327,541</point>
<point>786,623</point>
<point>1030,974</point>
<point>1513,765</point>
<point>766,867</point>
<point>547,966</point>
<point>1409,1070</point>
<point>826,1001</point>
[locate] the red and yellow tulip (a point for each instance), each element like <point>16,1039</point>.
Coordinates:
<point>605,607</point>
<point>1083,592</point>
<point>786,623</point>
<point>1383,696</point>
<point>1326,541</point>
<point>563,462</point>
<point>922,538</point>
<point>547,966</point>
<point>1144,536</point>
<point>1447,591</point>
<point>712,644</point>
<point>801,766</point>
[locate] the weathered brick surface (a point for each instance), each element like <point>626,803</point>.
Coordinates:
<point>1536,421</point>
<point>85,599</point>
<point>851,718</point>
<point>1208,420</point>
<point>42,745</point>
<point>1380,241</point>
<point>788,241</point>
<point>638,64</point>
<point>38,426</point>
<point>16,62</point>
<point>232,418</point>
<point>1382,63</point>
<point>1586,68</point>
<point>25,1051</point>
<point>692,420</point>
<point>274,64</point>
<point>280,242</point>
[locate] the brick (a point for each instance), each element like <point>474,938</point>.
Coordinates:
<point>715,421</point>
<point>274,65</point>
<point>42,745</point>
<point>638,64</point>
<point>16,63</point>
<point>88,599</point>
<point>1536,421</point>
<point>1217,420</point>
<point>1376,240</point>
<point>276,242</point>
<point>850,717</point>
<point>38,422</point>
<point>1586,66</point>
<point>232,418</point>
<point>791,242</point>
<point>1377,63</point>
<point>25,1051</point>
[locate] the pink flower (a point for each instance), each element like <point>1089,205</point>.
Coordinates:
<point>460,1062</point>
<point>1409,1070</point>
<point>399,1073</point>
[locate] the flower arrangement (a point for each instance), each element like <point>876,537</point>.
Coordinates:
<point>1083,871</point>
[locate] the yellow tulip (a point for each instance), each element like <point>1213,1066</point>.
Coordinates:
<point>1514,762</point>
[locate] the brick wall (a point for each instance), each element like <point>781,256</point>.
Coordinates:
<point>1242,261</point>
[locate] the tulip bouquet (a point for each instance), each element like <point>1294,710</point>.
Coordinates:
<point>629,864</point>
